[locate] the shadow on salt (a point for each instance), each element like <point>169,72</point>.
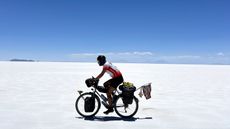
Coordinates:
<point>112,118</point>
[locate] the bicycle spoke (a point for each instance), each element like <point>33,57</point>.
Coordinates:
<point>126,110</point>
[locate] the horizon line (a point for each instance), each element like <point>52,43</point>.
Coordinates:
<point>34,61</point>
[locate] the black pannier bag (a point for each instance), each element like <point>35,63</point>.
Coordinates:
<point>127,93</point>
<point>89,104</point>
<point>91,82</point>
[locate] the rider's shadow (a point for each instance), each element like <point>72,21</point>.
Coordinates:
<point>112,118</point>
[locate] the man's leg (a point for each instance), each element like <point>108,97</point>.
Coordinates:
<point>109,96</point>
<point>101,89</point>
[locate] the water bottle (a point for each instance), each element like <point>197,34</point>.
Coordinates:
<point>104,98</point>
<point>105,104</point>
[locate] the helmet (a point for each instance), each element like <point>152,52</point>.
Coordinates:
<point>101,60</point>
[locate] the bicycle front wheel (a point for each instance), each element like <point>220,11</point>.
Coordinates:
<point>126,110</point>
<point>80,105</point>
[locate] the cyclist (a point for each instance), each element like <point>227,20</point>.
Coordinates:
<point>111,84</point>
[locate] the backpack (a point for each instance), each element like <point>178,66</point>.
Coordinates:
<point>89,104</point>
<point>128,90</point>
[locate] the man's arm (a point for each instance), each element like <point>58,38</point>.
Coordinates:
<point>101,74</point>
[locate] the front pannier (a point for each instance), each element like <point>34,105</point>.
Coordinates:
<point>89,104</point>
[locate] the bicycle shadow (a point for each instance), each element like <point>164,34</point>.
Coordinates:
<point>112,118</point>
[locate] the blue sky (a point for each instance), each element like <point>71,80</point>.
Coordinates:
<point>152,31</point>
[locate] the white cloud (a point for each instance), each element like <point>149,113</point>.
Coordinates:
<point>188,57</point>
<point>115,54</point>
<point>135,56</point>
<point>143,53</point>
<point>220,54</point>
<point>149,57</point>
<point>180,57</point>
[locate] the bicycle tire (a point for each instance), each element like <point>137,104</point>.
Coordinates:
<point>116,106</point>
<point>81,112</point>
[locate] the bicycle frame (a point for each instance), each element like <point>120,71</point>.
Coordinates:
<point>117,96</point>
<point>97,93</point>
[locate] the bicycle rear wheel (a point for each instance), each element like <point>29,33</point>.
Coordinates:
<point>126,110</point>
<point>80,105</point>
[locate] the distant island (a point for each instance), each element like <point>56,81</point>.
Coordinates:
<point>22,60</point>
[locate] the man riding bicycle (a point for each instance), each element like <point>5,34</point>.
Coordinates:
<point>111,84</point>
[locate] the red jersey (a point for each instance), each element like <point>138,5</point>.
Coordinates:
<point>111,70</point>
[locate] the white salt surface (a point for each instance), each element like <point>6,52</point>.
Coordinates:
<point>41,95</point>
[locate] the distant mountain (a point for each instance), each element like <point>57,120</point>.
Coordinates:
<point>22,60</point>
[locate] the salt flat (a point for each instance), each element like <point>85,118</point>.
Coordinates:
<point>41,95</point>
